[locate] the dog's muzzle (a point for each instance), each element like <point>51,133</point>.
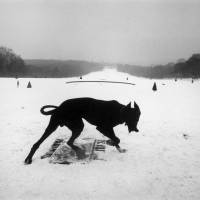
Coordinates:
<point>136,130</point>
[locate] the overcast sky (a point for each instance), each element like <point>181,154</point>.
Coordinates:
<point>139,31</point>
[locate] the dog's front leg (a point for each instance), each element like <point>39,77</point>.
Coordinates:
<point>109,132</point>
<point>116,144</point>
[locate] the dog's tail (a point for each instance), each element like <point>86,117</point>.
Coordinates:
<point>50,112</point>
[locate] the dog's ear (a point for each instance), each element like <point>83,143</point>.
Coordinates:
<point>129,105</point>
<point>136,106</point>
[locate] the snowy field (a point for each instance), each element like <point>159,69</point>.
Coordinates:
<point>162,161</point>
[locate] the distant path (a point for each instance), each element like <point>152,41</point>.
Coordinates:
<point>127,83</point>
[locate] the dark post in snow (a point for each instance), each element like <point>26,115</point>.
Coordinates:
<point>154,87</point>
<point>29,85</point>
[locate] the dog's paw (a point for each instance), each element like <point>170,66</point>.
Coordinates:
<point>110,142</point>
<point>121,150</point>
<point>27,161</point>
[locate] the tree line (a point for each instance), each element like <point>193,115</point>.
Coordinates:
<point>184,69</point>
<point>12,65</point>
<point>60,68</point>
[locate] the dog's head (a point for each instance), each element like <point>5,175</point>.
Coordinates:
<point>131,116</point>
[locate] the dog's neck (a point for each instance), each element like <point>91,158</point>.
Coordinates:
<point>122,119</point>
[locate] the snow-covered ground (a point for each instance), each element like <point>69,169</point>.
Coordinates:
<point>162,160</point>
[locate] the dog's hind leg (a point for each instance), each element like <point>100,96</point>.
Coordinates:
<point>76,126</point>
<point>50,129</point>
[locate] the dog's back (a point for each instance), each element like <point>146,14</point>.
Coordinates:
<point>95,111</point>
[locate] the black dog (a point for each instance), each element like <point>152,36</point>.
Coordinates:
<point>103,114</point>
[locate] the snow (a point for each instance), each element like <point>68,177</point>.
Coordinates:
<point>161,162</point>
